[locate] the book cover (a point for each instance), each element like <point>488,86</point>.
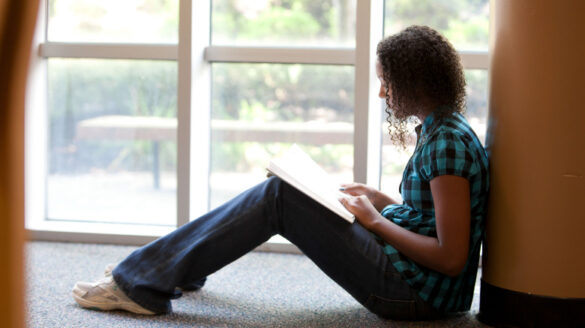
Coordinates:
<point>299,170</point>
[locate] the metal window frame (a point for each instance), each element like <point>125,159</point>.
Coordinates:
<point>227,54</point>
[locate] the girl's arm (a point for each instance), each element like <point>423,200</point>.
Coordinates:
<point>447,253</point>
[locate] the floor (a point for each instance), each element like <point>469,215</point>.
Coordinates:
<point>258,290</point>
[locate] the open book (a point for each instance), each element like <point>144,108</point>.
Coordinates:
<point>300,171</point>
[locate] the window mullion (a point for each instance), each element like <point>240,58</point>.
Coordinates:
<point>194,103</point>
<point>367,129</point>
<point>296,55</point>
<point>474,59</point>
<point>109,50</point>
<point>36,130</point>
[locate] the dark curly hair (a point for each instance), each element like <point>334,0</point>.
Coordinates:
<point>421,68</point>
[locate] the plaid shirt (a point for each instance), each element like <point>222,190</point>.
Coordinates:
<point>444,147</point>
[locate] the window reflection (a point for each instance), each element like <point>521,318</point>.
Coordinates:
<point>259,110</point>
<point>112,141</point>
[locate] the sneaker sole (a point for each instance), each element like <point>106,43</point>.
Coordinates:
<point>106,306</point>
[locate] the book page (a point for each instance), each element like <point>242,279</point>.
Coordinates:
<point>299,169</point>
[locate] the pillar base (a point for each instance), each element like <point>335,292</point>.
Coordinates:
<point>501,307</point>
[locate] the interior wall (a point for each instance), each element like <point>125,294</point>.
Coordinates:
<point>17,21</point>
<point>536,223</point>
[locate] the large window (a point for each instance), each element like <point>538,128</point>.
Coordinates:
<point>465,23</point>
<point>258,110</point>
<point>105,163</point>
<point>111,151</point>
<point>144,114</point>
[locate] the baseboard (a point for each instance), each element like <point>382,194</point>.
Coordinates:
<point>275,244</point>
<point>506,308</point>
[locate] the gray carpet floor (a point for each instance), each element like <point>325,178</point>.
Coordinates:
<point>258,290</point>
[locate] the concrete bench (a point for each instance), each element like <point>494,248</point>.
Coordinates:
<point>156,129</point>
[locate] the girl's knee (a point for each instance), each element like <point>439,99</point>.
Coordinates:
<point>273,183</point>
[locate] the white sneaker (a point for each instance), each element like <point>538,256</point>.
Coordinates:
<point>105,295</point>
<point>109,268</point>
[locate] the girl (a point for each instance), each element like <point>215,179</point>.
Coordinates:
<point>412,260</point>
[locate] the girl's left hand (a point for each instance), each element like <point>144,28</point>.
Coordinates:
<point>362,208</point>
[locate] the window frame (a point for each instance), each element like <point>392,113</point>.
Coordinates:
<point>194,55</point>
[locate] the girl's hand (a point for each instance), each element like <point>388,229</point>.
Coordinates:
<point>362,208</point>
<point>359,189</point>
<point>377,198</point>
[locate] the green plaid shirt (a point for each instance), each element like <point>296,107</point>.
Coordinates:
<point>444,147</point>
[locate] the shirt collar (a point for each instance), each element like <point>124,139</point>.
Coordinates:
<point>424,128</point>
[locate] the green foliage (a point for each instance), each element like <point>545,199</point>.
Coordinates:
<point>228,156</point>
<point>254,111</point>
<point>468,34</point>
<point>91,20</point>
<point>82,89</point>
<point>274,92</point>
<point>329,156</point>
<point>393,168</point>
<point>237,157</point>
<point>476,93</point>
<point>282,92</point>
<point>168,8</point>
<point>280,21</point>
<point>463,22</point>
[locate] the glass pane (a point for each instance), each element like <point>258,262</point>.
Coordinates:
<point>112,141</point>
<point>394,159</point>
<point>285,23</point>
<point>259,110</point>
<point>477,101</point>
<point>464,22</point>
<point>129,21</point>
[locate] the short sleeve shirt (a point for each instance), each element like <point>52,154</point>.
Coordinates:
<point>445,146</point>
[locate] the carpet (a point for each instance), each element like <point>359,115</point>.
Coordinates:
<point>258,290</point>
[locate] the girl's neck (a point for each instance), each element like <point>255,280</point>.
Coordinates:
<point>426,109</point>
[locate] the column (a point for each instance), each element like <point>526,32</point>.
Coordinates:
<point>534,254</point>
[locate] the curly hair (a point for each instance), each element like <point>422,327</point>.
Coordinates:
<point>421,67</point>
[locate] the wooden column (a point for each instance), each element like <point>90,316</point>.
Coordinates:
<point>534,256</point>
<point>17,22</point>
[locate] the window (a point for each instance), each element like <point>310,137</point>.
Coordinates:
<point>112,157</point>
<point>465,23</point>
<point>111,154</point>
<point>144,114</point>
<point>102,144</point>
<point>258,110</point>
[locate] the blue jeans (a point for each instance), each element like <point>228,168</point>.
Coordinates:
<point>347,253</point>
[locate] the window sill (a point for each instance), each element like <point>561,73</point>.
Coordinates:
<point>124,234</point>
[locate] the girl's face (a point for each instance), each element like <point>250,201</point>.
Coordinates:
<point>385,90</point>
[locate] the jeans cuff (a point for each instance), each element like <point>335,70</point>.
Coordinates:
<point>156,307</point>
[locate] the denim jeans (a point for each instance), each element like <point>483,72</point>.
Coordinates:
<point>347,253</point>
